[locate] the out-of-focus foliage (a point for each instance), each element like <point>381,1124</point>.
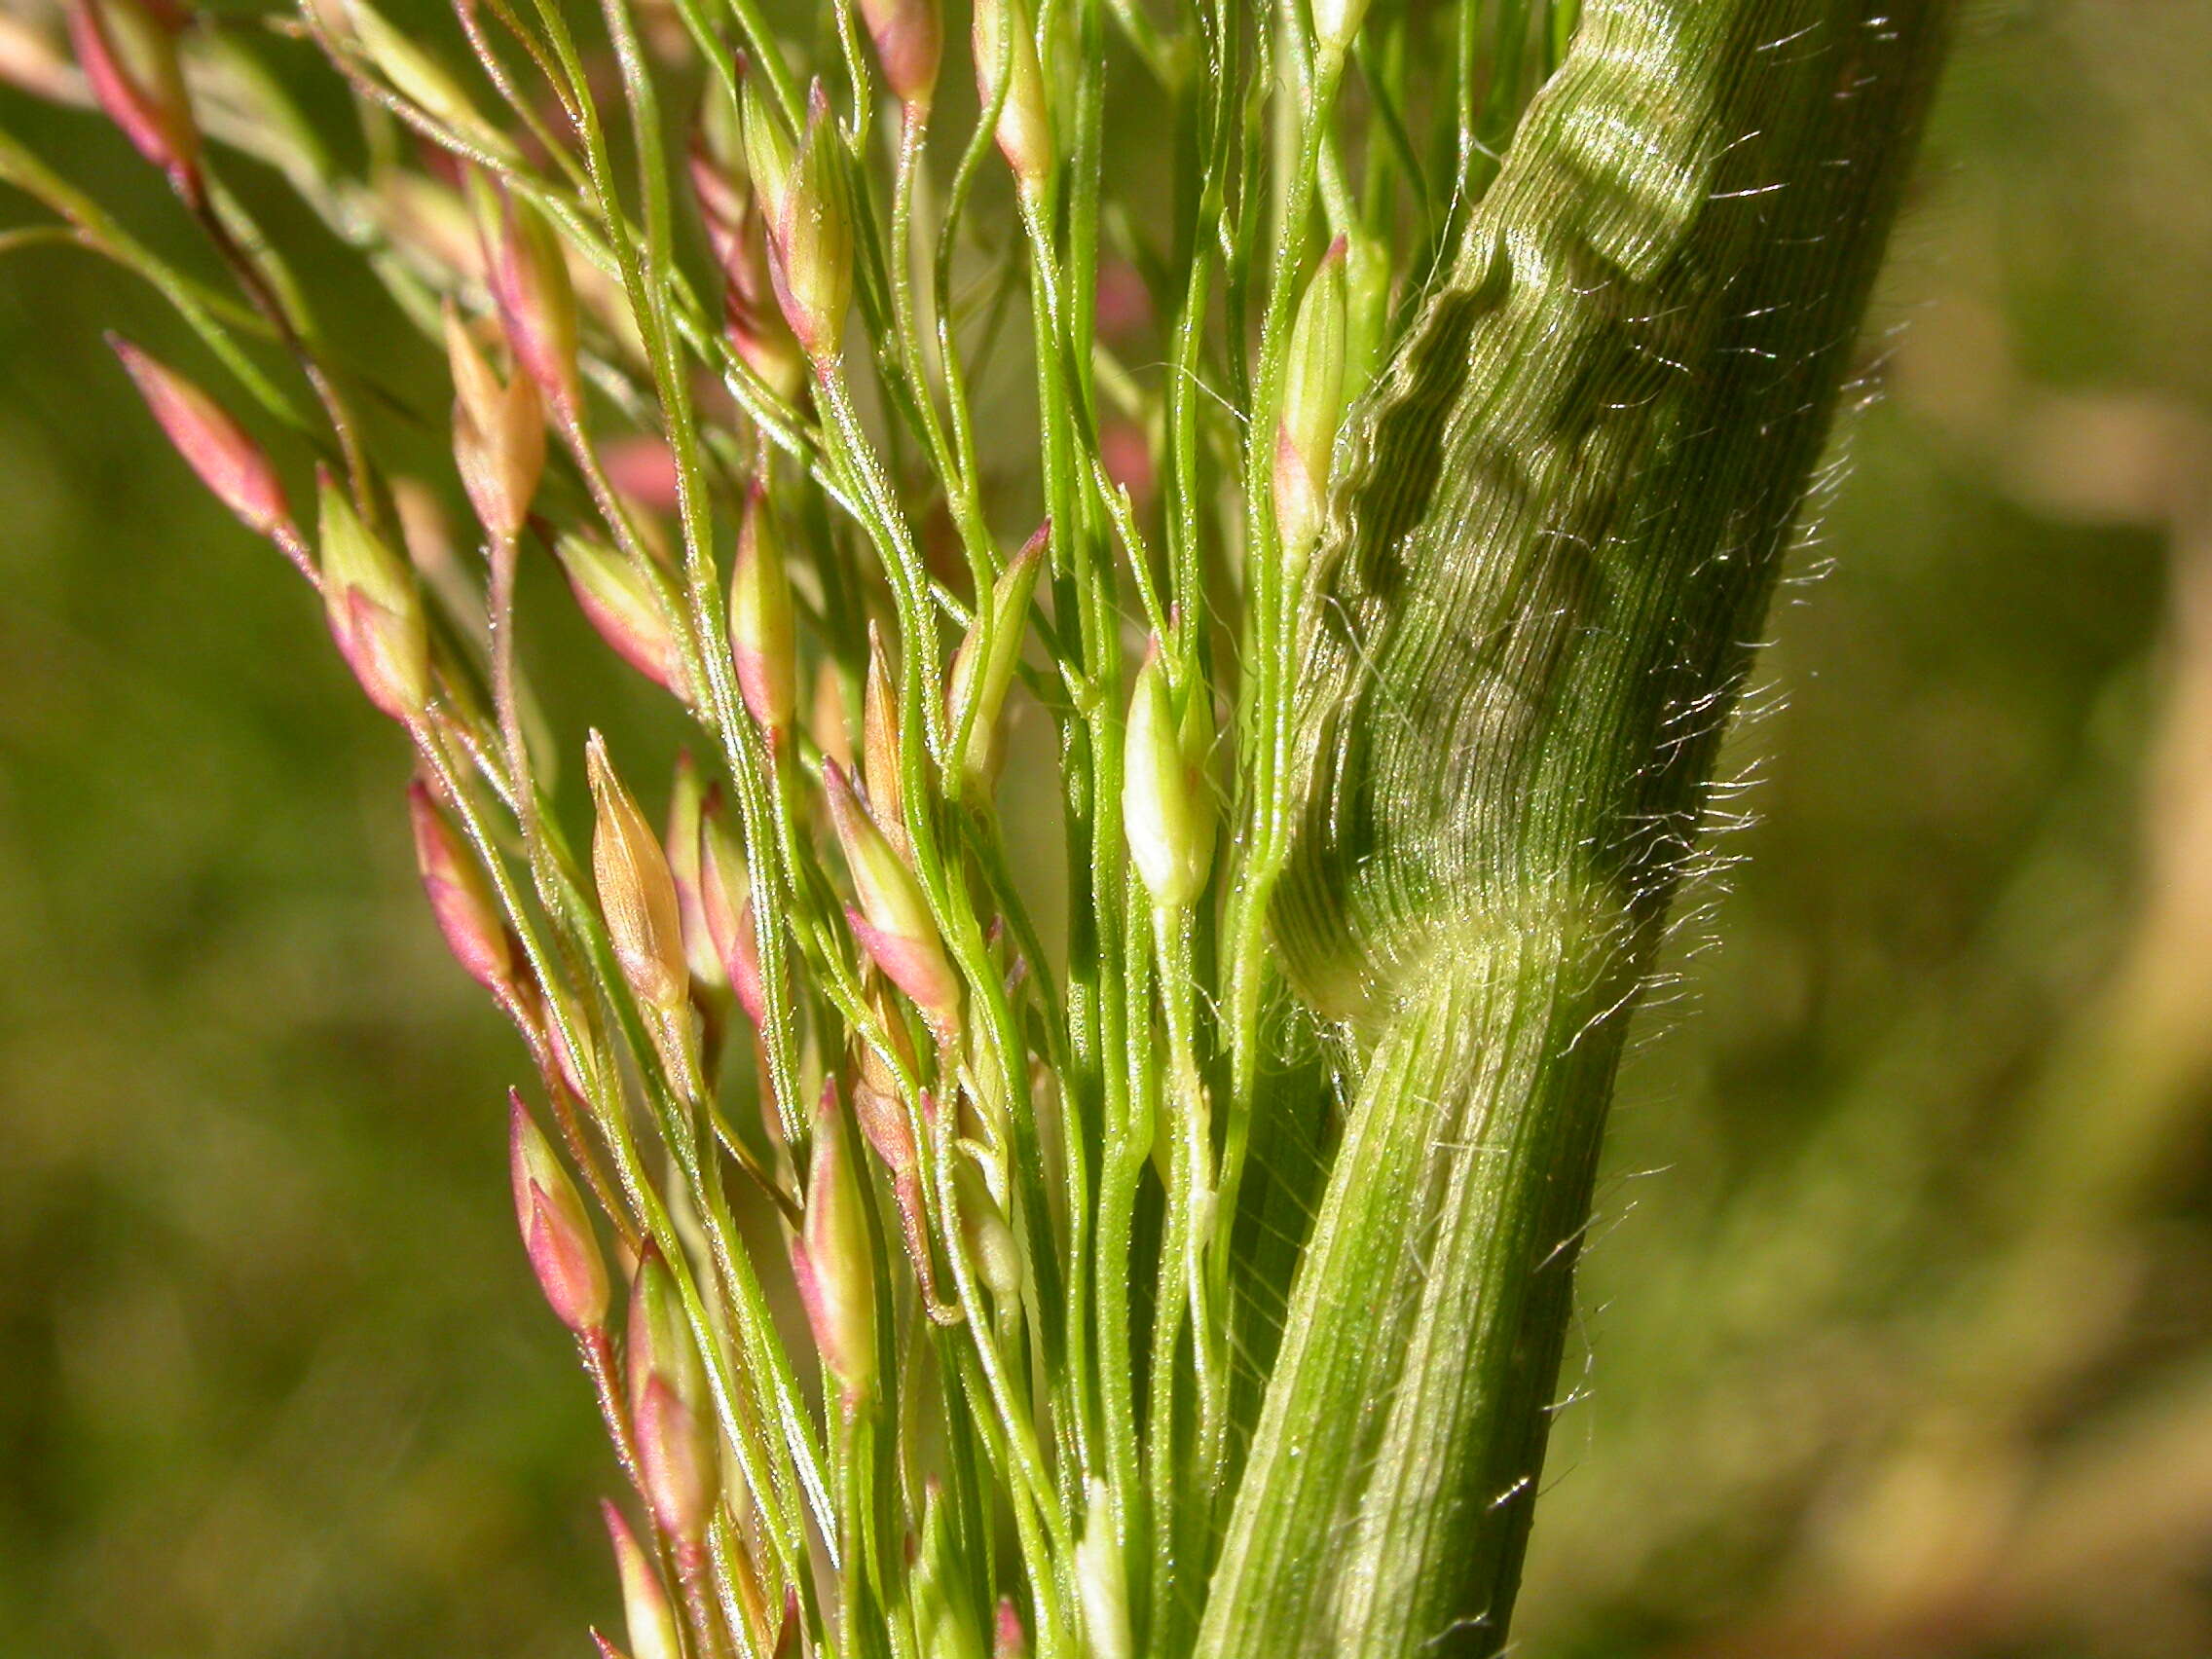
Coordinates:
<point>1898,1315</point>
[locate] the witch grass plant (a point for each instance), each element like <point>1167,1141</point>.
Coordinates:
<point>1186,1272</point>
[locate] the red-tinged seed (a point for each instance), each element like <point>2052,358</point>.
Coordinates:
<point>909,36</point>
<point>811,239</point>
<point>529,278</point>
<point>789,1633</point>
<point>713,163</point>
<point>884,1124</point>
<point>882,1117</point>
<point>760,337</point>
<point>128,51</point>
<point>556,1231</point>
<point>1296,502</point>
<point>1006,54</point>
<point>460,898</point>
<point>374,610</point>
<point>214,446</point>
<point>674,1459</point>
<point>1125,452</point>
<point>427,540</point>
<point>643,469</point>
<point>1009,1640</point>
<point>736,221</point>
<point>625,611</point>
<point>832,1261</point>
<point>874,1069</point>
<point>378,644</point>
<point>1124,306</point>
<point>564,1059</point>
<point>891,921</point>
<point>917,964</point>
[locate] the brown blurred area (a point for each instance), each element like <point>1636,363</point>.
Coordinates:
<point>1898,1329</point>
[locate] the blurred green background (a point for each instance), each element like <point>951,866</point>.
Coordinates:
<point>1898,1329</point>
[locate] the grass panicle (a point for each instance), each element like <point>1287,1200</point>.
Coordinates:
<point>1161,569</point>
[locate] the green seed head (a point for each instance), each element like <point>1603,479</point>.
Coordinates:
<point>943,1618</point>
<point>880,755</point>
<point>1312,406</point>
<point>1168,809</point>
<point>763,634</point>
<point>726,902</point>
<point>1336,23</point>
<point>769,157</point>
<point>983,669</point>
<point>419,78</point>
<point>1101,1580</point>
<point>688,801</point>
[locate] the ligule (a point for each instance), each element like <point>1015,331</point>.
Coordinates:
<point>994,1138</point>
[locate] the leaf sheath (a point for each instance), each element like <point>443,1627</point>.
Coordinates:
<point>1562,512</point>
